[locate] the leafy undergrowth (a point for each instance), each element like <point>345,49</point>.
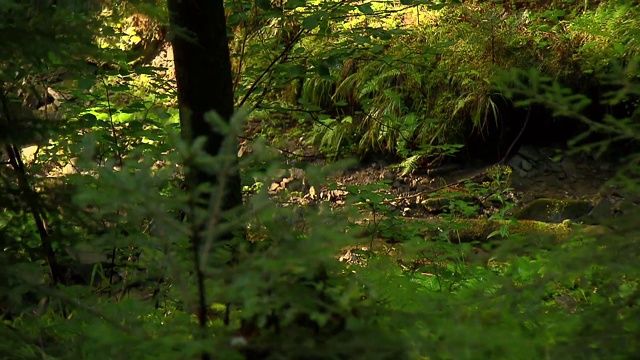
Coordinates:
<point>403,290</point>
<point>397,295</point>
<point>415,82</point>
<point>499,297</point>
<point>114,216</point>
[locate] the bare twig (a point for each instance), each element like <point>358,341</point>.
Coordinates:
<point>32,199</point>
<point>113,127</point>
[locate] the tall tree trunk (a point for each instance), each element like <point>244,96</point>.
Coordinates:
<point>203,73</point>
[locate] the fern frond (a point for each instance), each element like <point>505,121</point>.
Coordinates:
<point>410,164</point>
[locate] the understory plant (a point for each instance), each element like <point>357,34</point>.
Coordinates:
<point>432,85</point>
<point>95,228</point>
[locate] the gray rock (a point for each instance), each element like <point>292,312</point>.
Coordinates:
<point>625,206</point>
<point>601,211</point>
<point>530,153</point>
<point>556,168</point>
<point>625,194</point>
<point>553,210</point>
<point>515,161</point>
<point>533,173</point>
<point>526,165</point>
<point>388,175</point>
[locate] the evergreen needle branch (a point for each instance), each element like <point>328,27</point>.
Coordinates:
<point>227,170</point>
<point>195,239</point>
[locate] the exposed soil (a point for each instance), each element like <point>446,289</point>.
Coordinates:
<point>573,177</point>
<point>536,172</point>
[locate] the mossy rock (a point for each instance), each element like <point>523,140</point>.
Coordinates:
<point>481,230</point>
<point>554,211</point>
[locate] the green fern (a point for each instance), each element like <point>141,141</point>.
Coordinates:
<point>331,134</point>
<point>410,164</point>
<point>318,91</point>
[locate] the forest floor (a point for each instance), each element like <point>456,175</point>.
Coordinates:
<point>535,172</point>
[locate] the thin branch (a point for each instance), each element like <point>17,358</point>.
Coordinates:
<point>271,65</point>
<point>31,197</point>
<point>113,127</point>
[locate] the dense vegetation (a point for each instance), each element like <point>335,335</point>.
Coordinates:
<point>124,233</point>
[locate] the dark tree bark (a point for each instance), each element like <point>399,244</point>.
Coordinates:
<point>203,74</point>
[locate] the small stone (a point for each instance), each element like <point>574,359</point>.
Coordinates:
<point>526,165</point>
<point>556,168</point>
<point>533,173</point>
<point>388,175</point>
<point>515,161</point>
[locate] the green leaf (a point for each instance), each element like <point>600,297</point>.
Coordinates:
<point>85,83</point>
<point>377,48</point>
<point>146,70</point>
<point>160,113</point>
<point>384,35</point>
<point>324,28</point>
<point>88,119</point>
<point>544,28</point>
<point>263,4</point>
<point>437,6</point>
<point>365,8</point>
<point>54,58</point>
<point>311,22</point>
<point>361,40</point>
<point>135,39</point>
<point>618,47</point>
<point>296,70</point>
<point>292,4</point>
<point>323,69</point>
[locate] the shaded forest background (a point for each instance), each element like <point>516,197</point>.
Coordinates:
<point>138,223</point>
